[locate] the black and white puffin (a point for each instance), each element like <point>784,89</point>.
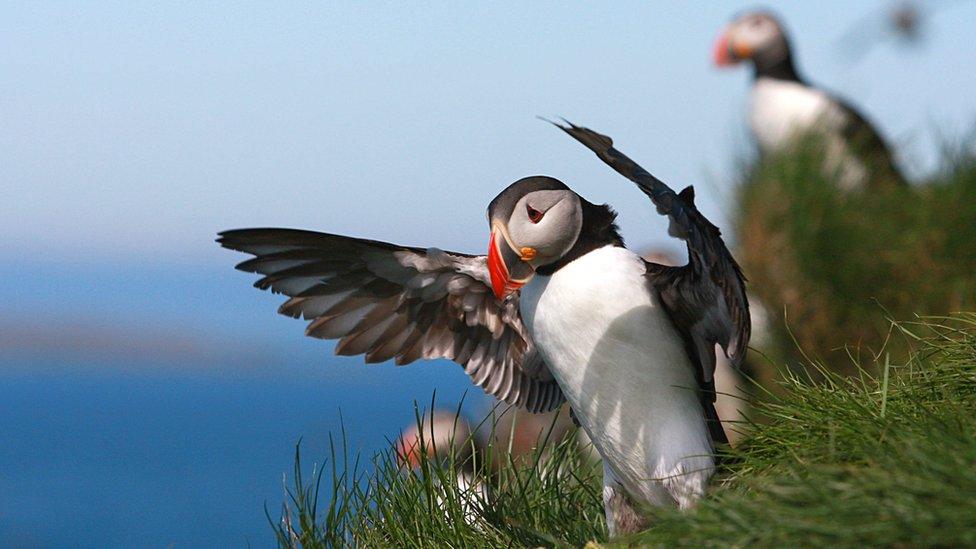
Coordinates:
<point>442,437</point>
<point>783,105</point>
<point>559,310</point>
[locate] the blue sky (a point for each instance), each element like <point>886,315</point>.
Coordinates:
<point>132,132</point>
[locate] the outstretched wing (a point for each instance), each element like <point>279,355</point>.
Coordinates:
<point>387,301</point>
<point>706,298</point>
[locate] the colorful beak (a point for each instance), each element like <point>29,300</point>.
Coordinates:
<point>509,269</point>
<point>722,54</point>
<point>729,52</point>
<point>408,452</point>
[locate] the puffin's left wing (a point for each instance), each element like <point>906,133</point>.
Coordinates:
<point>706,298</point>
<point>388,301</point>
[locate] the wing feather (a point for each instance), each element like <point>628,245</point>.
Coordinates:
<point>393,302</point>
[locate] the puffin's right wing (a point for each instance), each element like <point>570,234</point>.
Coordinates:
<point>706,298</point>
<point>388,301</point>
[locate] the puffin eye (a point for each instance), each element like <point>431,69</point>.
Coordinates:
<point>535,215</point>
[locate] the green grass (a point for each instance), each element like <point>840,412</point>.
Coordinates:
<point>855,460</point>
<point>554,500</point>
<point>832,265</point>
<point>869,459</point>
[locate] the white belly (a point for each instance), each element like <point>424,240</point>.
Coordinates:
<point>622,366</point>
<point>781,109</point>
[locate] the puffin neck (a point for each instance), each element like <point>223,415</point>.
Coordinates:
<point>781,70</point>
<point>598,229</point>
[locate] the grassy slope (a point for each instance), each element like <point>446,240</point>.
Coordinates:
<point>832,261</point>
<point>844,461</point>
<point>856,460</point>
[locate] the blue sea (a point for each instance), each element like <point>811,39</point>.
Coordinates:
<point>160,406</point>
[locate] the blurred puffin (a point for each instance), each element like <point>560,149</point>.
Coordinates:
<point>558,310</point>
<point>784,106</point>
<point>446,438</point>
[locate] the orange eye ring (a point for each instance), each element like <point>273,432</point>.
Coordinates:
<point>535,215</point>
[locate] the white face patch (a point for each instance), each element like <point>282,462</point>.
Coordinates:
<point>761,35</point>
<point>547,221</point>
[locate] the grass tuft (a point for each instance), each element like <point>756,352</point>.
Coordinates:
<point>854,460</point>
<point>551,499</point>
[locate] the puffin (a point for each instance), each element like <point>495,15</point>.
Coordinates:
<point>444,439</point>
<point>558,310</point>
<point>784,106</point>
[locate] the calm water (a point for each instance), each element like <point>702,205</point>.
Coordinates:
<point>155,407</point>
<point>157,460</point>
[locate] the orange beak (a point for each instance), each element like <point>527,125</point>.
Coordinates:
<point>721,55</point>
<point>408,452</point>
<point>509,270</point>
<point>726,52</point>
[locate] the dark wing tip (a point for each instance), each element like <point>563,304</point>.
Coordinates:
<point>230,239</point>
<point>232,233</point>
<point>235,238</point>
<point>597,142</point>
<point>238,239</point>
<point>567,123</point>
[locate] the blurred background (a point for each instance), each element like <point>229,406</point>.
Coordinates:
<point>149,395</point>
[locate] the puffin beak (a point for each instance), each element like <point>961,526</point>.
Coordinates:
<point>509,269</point>
<point>408,453</point>
<point>727,52</point>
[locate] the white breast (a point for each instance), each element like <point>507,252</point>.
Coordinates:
<point>622,366</point>
<point>781,109</point>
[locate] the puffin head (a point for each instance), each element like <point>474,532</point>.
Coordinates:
<point>444,435</point>
<point>755,36</point>
<point>534,222</point>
